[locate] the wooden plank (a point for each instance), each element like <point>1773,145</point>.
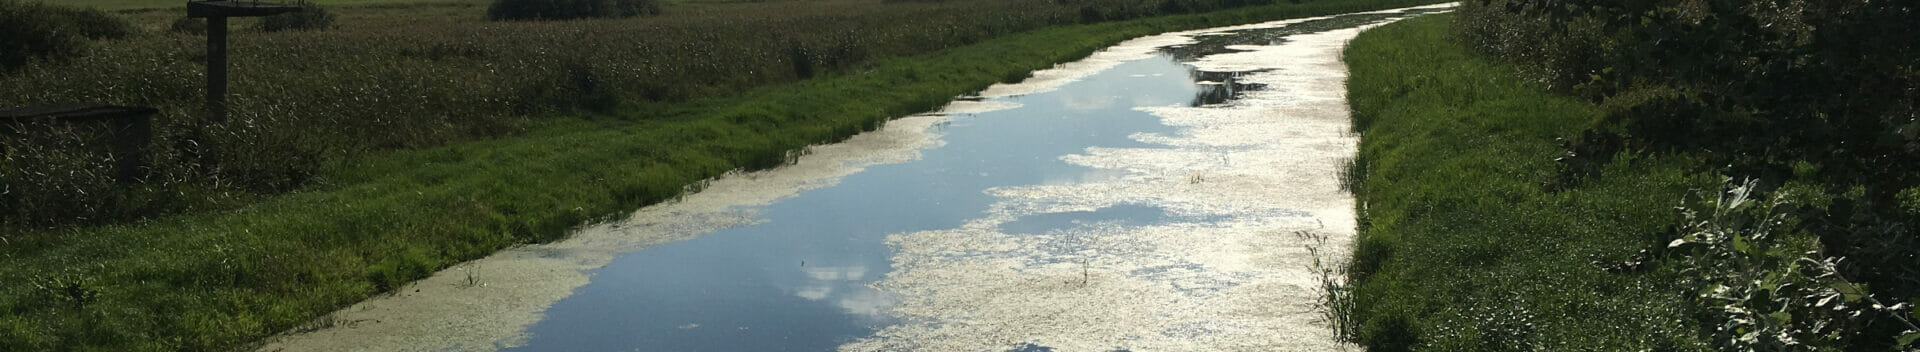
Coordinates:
<point>207,9</point>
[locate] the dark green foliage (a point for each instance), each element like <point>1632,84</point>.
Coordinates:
<point>310,17</point>
<point>1173,6</point>
<point>569,9</point>
<point>802,59</point>
<point>37,31</point>
<point>1089,14</point>
<point>1755,88</point>
<point>1762,285</point>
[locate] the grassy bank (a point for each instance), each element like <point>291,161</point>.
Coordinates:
<point>214,280</point>
<point>1470,241</point>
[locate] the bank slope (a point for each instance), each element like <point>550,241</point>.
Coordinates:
<point>1468,240</point>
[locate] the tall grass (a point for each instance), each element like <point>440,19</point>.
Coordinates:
<point>382,215</point>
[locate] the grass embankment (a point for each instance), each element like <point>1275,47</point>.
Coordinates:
<point>1468,239</point>
<point>217,280</point>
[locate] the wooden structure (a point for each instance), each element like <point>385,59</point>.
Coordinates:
<point>127,129</point>
<point>216,13</point>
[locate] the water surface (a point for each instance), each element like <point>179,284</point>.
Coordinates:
<point>799,277</point>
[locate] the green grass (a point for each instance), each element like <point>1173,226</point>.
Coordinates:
<point>216,280</point>
<point>1467,243</point>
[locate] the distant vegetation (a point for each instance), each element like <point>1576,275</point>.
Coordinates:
<point>32,30</point>
<point>1804,113</point>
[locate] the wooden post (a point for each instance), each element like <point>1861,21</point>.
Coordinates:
<point>217,69</point>
<point>216,13</point>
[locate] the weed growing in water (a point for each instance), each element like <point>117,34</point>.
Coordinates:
<point>1336,298</point>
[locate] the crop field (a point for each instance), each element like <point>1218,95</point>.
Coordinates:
<point>385,78</point>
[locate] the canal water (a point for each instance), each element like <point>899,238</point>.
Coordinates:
<point>803,276</point>
<point>1170,193</point>
<point>798,279</point>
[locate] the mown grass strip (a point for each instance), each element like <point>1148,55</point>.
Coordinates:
<point>1466,242</point>
<point>215,281</point>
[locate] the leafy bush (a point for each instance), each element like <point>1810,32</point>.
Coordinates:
<point>1765,287</point>
<point>310,17</point>
<point>1088,14</point>
<point>569,9</point>
<point>37,31</point>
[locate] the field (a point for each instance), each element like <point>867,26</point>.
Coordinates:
<point>409,138</point>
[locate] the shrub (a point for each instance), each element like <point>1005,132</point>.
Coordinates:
<point>569,9</point>
<point>95,24</point>
<point>1770,288</point>
<point>310,17</point>
<point>32,30</point>
<point>1088,14</point>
